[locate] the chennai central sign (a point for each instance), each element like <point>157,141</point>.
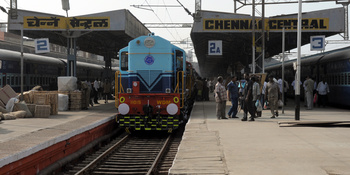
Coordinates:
<point>270,24</point>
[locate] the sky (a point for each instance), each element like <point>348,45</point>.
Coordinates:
<point>158,14</point>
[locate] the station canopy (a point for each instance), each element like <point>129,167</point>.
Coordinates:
<point>234,32</point>
<point>100,33</point>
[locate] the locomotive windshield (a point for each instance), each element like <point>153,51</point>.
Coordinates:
<point>124,61</point>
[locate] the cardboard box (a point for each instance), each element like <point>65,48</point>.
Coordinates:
<point>42,111</point>
<point>2,104</point>
<point>6,93</point>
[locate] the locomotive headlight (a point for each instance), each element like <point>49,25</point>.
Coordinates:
<point>167,90</point>
<point>128,90</point>
<point>123,108</point>
<point>172,109</point>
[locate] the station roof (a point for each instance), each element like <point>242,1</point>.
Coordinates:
<point>100,33</point>
<point>235,32</point>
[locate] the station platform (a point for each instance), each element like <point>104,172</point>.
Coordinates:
<point>264,146</point>
<point>29,145</point>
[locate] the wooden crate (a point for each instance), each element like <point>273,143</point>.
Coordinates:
<point>28,97</point>
<point>47,98</point>
<point>75,99</point>
<point>42,111</point>
<point>53,103</point>
<point>63,92</point>
<point>75,95</point>
<point>41,97</point>
<point>31,108</point>
<point>75,105</point>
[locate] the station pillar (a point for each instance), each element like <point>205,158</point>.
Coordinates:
<point>71,57</point>
<point>108,66</point>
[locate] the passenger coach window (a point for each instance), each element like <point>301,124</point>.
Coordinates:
<point>124,61</point>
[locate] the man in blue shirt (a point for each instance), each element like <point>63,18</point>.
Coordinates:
<point>233,94</point>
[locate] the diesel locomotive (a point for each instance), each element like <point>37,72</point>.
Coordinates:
<point>154,85</point>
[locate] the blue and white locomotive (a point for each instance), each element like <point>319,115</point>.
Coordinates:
<point>151,85</point>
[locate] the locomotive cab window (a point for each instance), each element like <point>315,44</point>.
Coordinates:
<point>124,61</point>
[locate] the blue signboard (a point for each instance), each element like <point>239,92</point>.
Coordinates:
<point>215,47</point>
<point>317,43</point>
<point>42,45</point>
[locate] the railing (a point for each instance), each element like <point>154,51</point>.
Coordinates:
<point>118,87</point>
<point>177,89</point>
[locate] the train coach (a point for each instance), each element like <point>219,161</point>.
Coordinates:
<point>333,66</point>
<point>154,85</point>
<point>41,70</point>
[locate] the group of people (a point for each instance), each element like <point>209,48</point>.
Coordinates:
<point>315,93</point>
<point>95,91</point>
<point>248,91</point>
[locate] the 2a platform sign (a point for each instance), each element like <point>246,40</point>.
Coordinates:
<point>215,47</point>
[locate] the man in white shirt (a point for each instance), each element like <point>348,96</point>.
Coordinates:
<point>96,87</point>
<point>323,90</point>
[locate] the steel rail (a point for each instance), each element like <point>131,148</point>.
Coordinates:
<point>100,157</point>
<point>159,156</point>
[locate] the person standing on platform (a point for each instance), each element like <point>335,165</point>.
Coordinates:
<point>271,94</point>
<point>255,92</point>
<point>309,88</point>
<point>323,90</point>
<point>248,100</point>
<point>205,90</point>
<point>106,90</point>
<point>232,90</point>
<point>263,93</point>
<point>199,85</point>
<point>285,89</point>
<point>95,88</point>
<point>84,88</point>
<point>220,98</point>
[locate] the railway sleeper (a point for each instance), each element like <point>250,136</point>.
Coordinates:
<point>139,151</point>
<point>119,173</point>
<point>116,157</point>
<point>131,166</point>
<point>124,163</point>
<point>121,169</point>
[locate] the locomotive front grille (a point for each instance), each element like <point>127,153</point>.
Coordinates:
<point>145,123</point>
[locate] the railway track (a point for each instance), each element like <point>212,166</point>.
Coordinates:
<point>130,154</point>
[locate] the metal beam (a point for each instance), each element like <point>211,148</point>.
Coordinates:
<point>143,6</point>
<point>267,2</point>
<point>168,25</point>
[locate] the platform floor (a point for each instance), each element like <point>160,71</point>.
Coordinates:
<point>212,146</point>
<point>22,137</point>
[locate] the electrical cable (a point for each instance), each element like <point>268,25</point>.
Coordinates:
<point>171,20</point>
<point>160,20</point>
